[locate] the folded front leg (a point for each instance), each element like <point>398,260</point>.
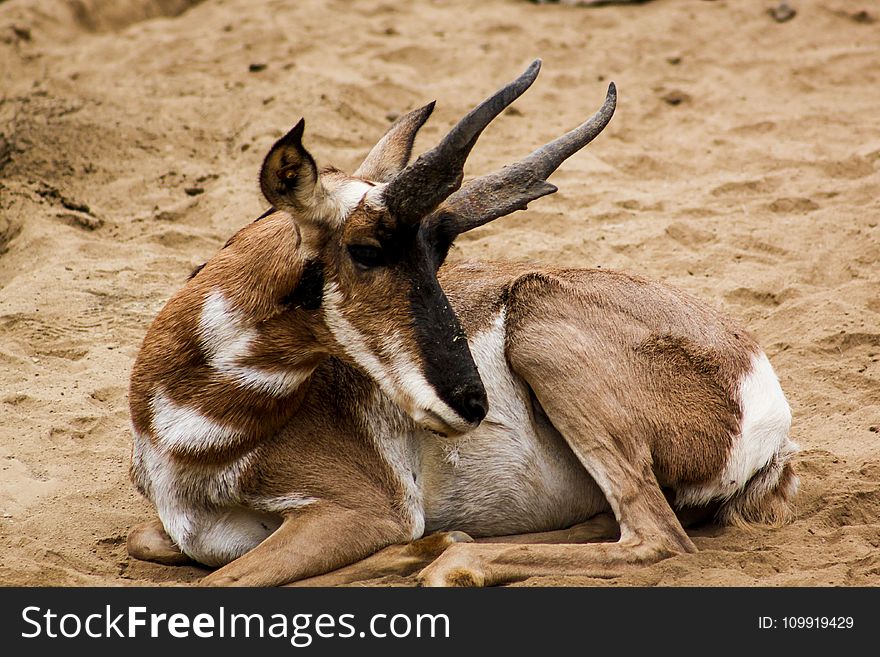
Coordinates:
<point>401,560</point>
<point>405,559</point>
<point>311,541</point>
<point>490,564</point>
<point>149,541</point>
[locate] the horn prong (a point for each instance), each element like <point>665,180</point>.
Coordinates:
<point>437,173</point>
<point>514,186</point>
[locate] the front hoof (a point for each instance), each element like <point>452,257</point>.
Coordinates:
<point>458,537</point>
<point>453,568</point>
<point>432,546</point>
<point>149,542</point>
<point>219,579</point>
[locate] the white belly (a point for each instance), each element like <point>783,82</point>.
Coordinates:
<point>511,475</point>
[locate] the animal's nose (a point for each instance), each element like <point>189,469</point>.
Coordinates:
<point>472,405</point>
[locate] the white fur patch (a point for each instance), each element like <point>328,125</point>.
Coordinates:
<point>282,503</point>
<point>161,484</point>
<point>766,420</point>
<point>393,434</point>
<point>183,492</point>
<point>508,406</point>
<point>349,195</point>
<point>226,339</point>
<point>399,377</point>
<point>514,472</point>
<point>375,196</point>
<point>350,338</point>
<point>229,533</point>
<point>764,427</point>
<point>487,349</point>
<point>452,454</point>
<point>183,428</point>
<point>339,197</point>
<point>413,384</point>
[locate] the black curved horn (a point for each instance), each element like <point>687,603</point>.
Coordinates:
<point>427,182</point>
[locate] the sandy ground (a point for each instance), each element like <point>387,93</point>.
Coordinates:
<point>743,165</point>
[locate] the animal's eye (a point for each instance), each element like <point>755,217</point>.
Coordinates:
<point>366,256</point>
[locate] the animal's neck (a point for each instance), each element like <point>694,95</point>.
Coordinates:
<point>217,418</point>
<point>214,384</point>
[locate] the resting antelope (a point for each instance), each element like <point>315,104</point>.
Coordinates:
<point>326,387</point>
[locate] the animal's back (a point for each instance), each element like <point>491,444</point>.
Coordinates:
<point>660,365</point>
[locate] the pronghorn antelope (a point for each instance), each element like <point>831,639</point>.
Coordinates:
<point>326,390</point>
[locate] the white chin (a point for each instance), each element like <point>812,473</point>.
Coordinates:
<point>433,422</point>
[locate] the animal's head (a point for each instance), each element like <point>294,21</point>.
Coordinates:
<point>373,242</point>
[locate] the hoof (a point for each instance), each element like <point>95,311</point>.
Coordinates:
<point>433,545</point>
<point>149,542</point>
<point>219,580</point>
<point>454,577</point>
<point>458,537</point>
<point>455,567</point>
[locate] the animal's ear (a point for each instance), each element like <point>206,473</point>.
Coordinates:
<point>393,151</point>
<point>289,177</point>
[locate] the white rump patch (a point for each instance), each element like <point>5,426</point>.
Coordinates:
<point>226,339</point>
<point>764,427</point>
<point>766,420</point>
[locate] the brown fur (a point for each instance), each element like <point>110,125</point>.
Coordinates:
<point>638,380</point>
<point>171,356</point>
<point>659,334</point>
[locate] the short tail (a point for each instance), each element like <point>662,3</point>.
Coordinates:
<point>767,498</point>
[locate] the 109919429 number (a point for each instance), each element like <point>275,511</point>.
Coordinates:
<point>806,622</point>
<point>817,622</point>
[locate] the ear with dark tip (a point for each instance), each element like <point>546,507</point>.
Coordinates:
<point>514,186</point>
<point>393,151</point>
<point>289,177</point>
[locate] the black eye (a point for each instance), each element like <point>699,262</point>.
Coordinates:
<point>366,256</point>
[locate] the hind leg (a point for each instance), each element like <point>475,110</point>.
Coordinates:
<point>588,406</point>
<point>601,527</point>
<point>148,541</point>
<point>593,408</point>
<point>649,529</point>
<point>649,532</point>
